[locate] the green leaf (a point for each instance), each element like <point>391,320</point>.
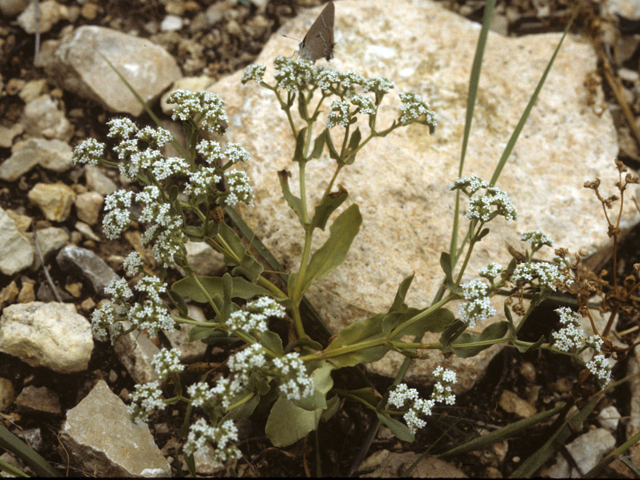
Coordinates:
<point>354,143</point>
<point>333,405</point>
<point>399,429</point>
<point>198,333</point>
<point>482,234</point>
<point>303,342</point>
<point>492,332</point>
<point>288,423</point>
<point>248,265</point>
<point>294,202</point>
<point>334,251</point>
<point>447,267</point>
<point>361,331</point>
<point>333,153</point>
<point>368,395</point>
<point>179,302</point>
<point>303,109</point>
<point>398,304</point>
<point>318,146</point>
<point>272,341</point>
<point>435,322</point>
<point>188,287</point>
<point>298,154</point>
<point>33,459</point>
<point>194,234</point>
<point>327,206</point>
<point>451,333</point>
<point>243,411</point>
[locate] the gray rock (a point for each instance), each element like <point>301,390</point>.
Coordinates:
<point>98,181</point>
<point>12,8</point>
<point>88,206</point>
<point>51,239</point>
<point>88,265</point>
<point>136,351</point>
<point>16,250</point>
<point>51,12</point>
<point>76,64</point>
<point>54,200</point>
<point>103,440</point>
<point>43,118</point>
<point>53,155</point>
<point>50,335</point>
<point>38,400</point>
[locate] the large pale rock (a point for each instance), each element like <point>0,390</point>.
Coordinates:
<point>77,63</point>
<point>401,182</point>
<point>50,335</point>
<point>103,440</point>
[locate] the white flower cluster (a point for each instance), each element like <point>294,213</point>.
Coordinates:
<point>547,275</point>
<point>378,85</point>
<point>144,400</point>
<point>491,271</point>
<point>167,362</point>
<point>170,167</point>
<point>206,107</point>
<point>255,318</point>
<point>202,181</point>
<point>121,128</point>
<point>253,72</point>
<point>200,394</point>
<point>292,74</point>
<point>90,151</point>
<point>413,107</point>
<point>339,114</point>
<point>219,437</point>
<point>240,189</point>
<point>537,239</point>
<point>118,216</point>
<point>469,185</point>
<point>403,395</point>
<point>601,369</point>
<point>157,137</point>
<point>478,306</point>
<point>133,263</point>
<point>493,203</point>
<point>295,383</point>
<point>571,334</point>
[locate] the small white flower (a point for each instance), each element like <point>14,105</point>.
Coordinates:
<point>601,369</point>
<point>144,399</point>
<point>253,72</point>
<point>90,151</point>
<point>167,362</point>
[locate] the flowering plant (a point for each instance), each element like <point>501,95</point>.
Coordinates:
<point>181,199</point>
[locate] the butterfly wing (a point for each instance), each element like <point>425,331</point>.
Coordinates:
<point>318,42</point>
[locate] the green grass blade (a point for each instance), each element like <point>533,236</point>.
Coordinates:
<point>525,115</point>
<point>10,442</point>
<point>532,464</point>
<point>504,433</point>
<point>474,81</point>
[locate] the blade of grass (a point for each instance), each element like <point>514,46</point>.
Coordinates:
<point>146,107</point>
<point>517,428</point>
<point>474,82</point>
<point>525,115</point>
<point>28,455</point>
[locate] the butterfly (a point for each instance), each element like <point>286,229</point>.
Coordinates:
<point>318,42</point>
